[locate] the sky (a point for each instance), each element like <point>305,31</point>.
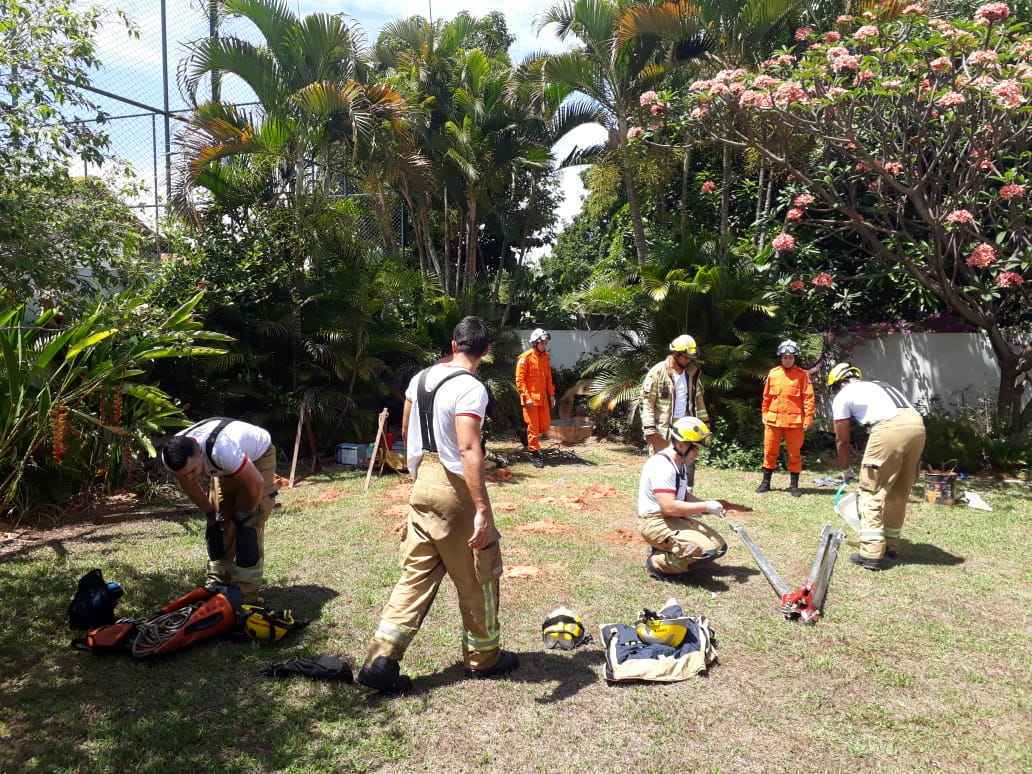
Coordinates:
<point>132,65</point>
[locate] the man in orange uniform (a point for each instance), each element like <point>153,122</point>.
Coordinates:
<point>787,412</point>
<point>537,393</point>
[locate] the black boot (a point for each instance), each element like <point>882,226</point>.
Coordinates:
<point>793,487</point>
<point>869,564</point>
<point>383,675</point>
<point>765,484</point>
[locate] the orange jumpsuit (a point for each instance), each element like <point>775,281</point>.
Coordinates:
<point>788,408</point>
<point>534,384</point>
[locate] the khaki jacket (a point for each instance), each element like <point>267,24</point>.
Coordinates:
<point>787,398</point>
<point>657,397</point>
<point>534,377</point>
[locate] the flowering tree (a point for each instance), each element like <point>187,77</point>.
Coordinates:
<point>916,147</point>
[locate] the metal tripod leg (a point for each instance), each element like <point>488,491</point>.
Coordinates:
<point>779,586</point>
<point>822,549</point>
<point>823,578</point>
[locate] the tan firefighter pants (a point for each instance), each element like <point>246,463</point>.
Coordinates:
<point>887,474</point>
<point>676,540</point>
<point>223,495</point>
<point>440,522</point>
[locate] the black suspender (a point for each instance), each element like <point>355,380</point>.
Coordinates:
<point>425,404</point>
<point>209,443</point>
<point>679,476</point>
<point>894,395</point>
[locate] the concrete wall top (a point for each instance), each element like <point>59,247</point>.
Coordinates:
<point>567,347</point>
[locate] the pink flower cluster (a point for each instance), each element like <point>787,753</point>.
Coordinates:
<point>794,214</point>
<point>832,37</point>
<point>961,217</point>
<point>864,76</point>
<point>1012,191</point>
<point>982,256</point>
<point>865,32</point>
<point>951,99</point>
<point>983,57</point>
<point>992,12</point>
<point>916,8</point>
<point>1008,93</point>
<point>756,99</point>
<point>941,65</point>
<point>803,33</point>
<point>797,286</point>
<point>764,81</point>
<point>699,112</point>
<point>648,98</point>
<point>781,60</point>
<point>790,92</point>
<point>823,280</point>
<point>708,187</point>
<point>1009,279</point>
<point>841,59</point>
<point>844,19</point>
<point>783,243</point>
<point>893,167</point>
<point>803,200</point>
<point>635,132</point>
<point>727,76</point>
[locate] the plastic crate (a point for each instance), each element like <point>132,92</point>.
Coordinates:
<point>352,453</point>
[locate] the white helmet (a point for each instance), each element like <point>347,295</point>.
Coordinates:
<point>788,347</point>
<point>540,334</point>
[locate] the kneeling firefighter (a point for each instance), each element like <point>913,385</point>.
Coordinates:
<point>241,460</point>
<point>787,412</point>
<point>667,509</point>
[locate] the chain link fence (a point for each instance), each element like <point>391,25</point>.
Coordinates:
<point>142,46</point>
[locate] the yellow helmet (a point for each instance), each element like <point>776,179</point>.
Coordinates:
<point>841,371</point>
<point>691,430</point>
<point>266,625</point>
<point>653,630</point>
<point>563,630</point>
<point>684,344</point>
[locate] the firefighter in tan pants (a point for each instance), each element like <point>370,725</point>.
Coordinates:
<point>450,529</point>
<point>891,459</point>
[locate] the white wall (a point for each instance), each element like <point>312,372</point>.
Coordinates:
<point>957,368</point>
<point>567,347</point>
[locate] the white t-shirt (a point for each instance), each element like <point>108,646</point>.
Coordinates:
<point>868,403</point>
<point>680,395</point>
<point>461,396</point>
<point>661,474</point>
<point>237,443</point>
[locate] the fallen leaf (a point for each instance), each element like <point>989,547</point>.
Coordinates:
<point>522,571</point>
<point>506,507</point>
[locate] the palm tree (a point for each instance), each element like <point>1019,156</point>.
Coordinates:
<point>613,72</point>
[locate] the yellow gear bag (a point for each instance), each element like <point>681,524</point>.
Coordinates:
<point>265,625</point>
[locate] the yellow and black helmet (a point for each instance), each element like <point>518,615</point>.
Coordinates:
<point>691,430</point>
<point>842,371</point>
<point>684,345</point>
<point>653,630</point>
<point>563,630</point>
<point>266,625</point>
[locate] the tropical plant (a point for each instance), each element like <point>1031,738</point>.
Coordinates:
<point>922,133</point>
<point>72,395</point>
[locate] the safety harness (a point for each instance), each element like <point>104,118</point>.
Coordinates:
<point>425,403</point>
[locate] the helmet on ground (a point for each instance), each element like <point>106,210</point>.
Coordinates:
<point>267,625</point>
<point>684,345</point>
<point>691,430</point>
<point>842,371</point>
<point>788,347</point>
<point>653,630</point>
<point>563,630</point>
<point>540,334</point>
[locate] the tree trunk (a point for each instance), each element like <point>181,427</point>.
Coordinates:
<point>725,205</point>
<point>686,171</point>
<point>759,200</point>
<point>766,205</point>
<point>640,245</point>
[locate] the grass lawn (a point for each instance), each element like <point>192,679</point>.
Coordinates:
<point>925,666</point>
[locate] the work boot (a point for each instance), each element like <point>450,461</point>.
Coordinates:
<point>384,675</point>
<point>536,459</point>
<point>765,484</point>
<point>651,571</point>
<point>793,487</point>
<point>507,662</point>
<point>868,563</point>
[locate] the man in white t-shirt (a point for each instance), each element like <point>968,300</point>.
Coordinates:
<point>241,460</point>
<point>450,529</point>
<point>667,509</point>
<point>891,459</point>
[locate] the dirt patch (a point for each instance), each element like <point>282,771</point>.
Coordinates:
<point>399,493</point>
<point>499,475</point>
<point>522,571</point>
<point>504,507</point>
<point>623,537</point>
<point>600,491</point>
<point>543,527</point>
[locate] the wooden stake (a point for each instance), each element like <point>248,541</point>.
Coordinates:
<point>376,447</point>
<point>297,444</point>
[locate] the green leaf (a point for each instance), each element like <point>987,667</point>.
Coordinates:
<point>154,354</point>
<point>89,341</point>
<point>183,312</point>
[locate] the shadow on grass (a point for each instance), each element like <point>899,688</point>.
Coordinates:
<point>709,576</point>
<point>198,710</point>
<point>569,672</point>
<point>926,553</point>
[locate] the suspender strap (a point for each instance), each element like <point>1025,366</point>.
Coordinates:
<point>679,476</point>
<point>425,404</point>
<point>209,443</point>
<point>894,395</point>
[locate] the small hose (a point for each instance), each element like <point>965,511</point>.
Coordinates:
<point>159,630</point>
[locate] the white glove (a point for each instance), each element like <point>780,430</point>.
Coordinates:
<point>714,507</point>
